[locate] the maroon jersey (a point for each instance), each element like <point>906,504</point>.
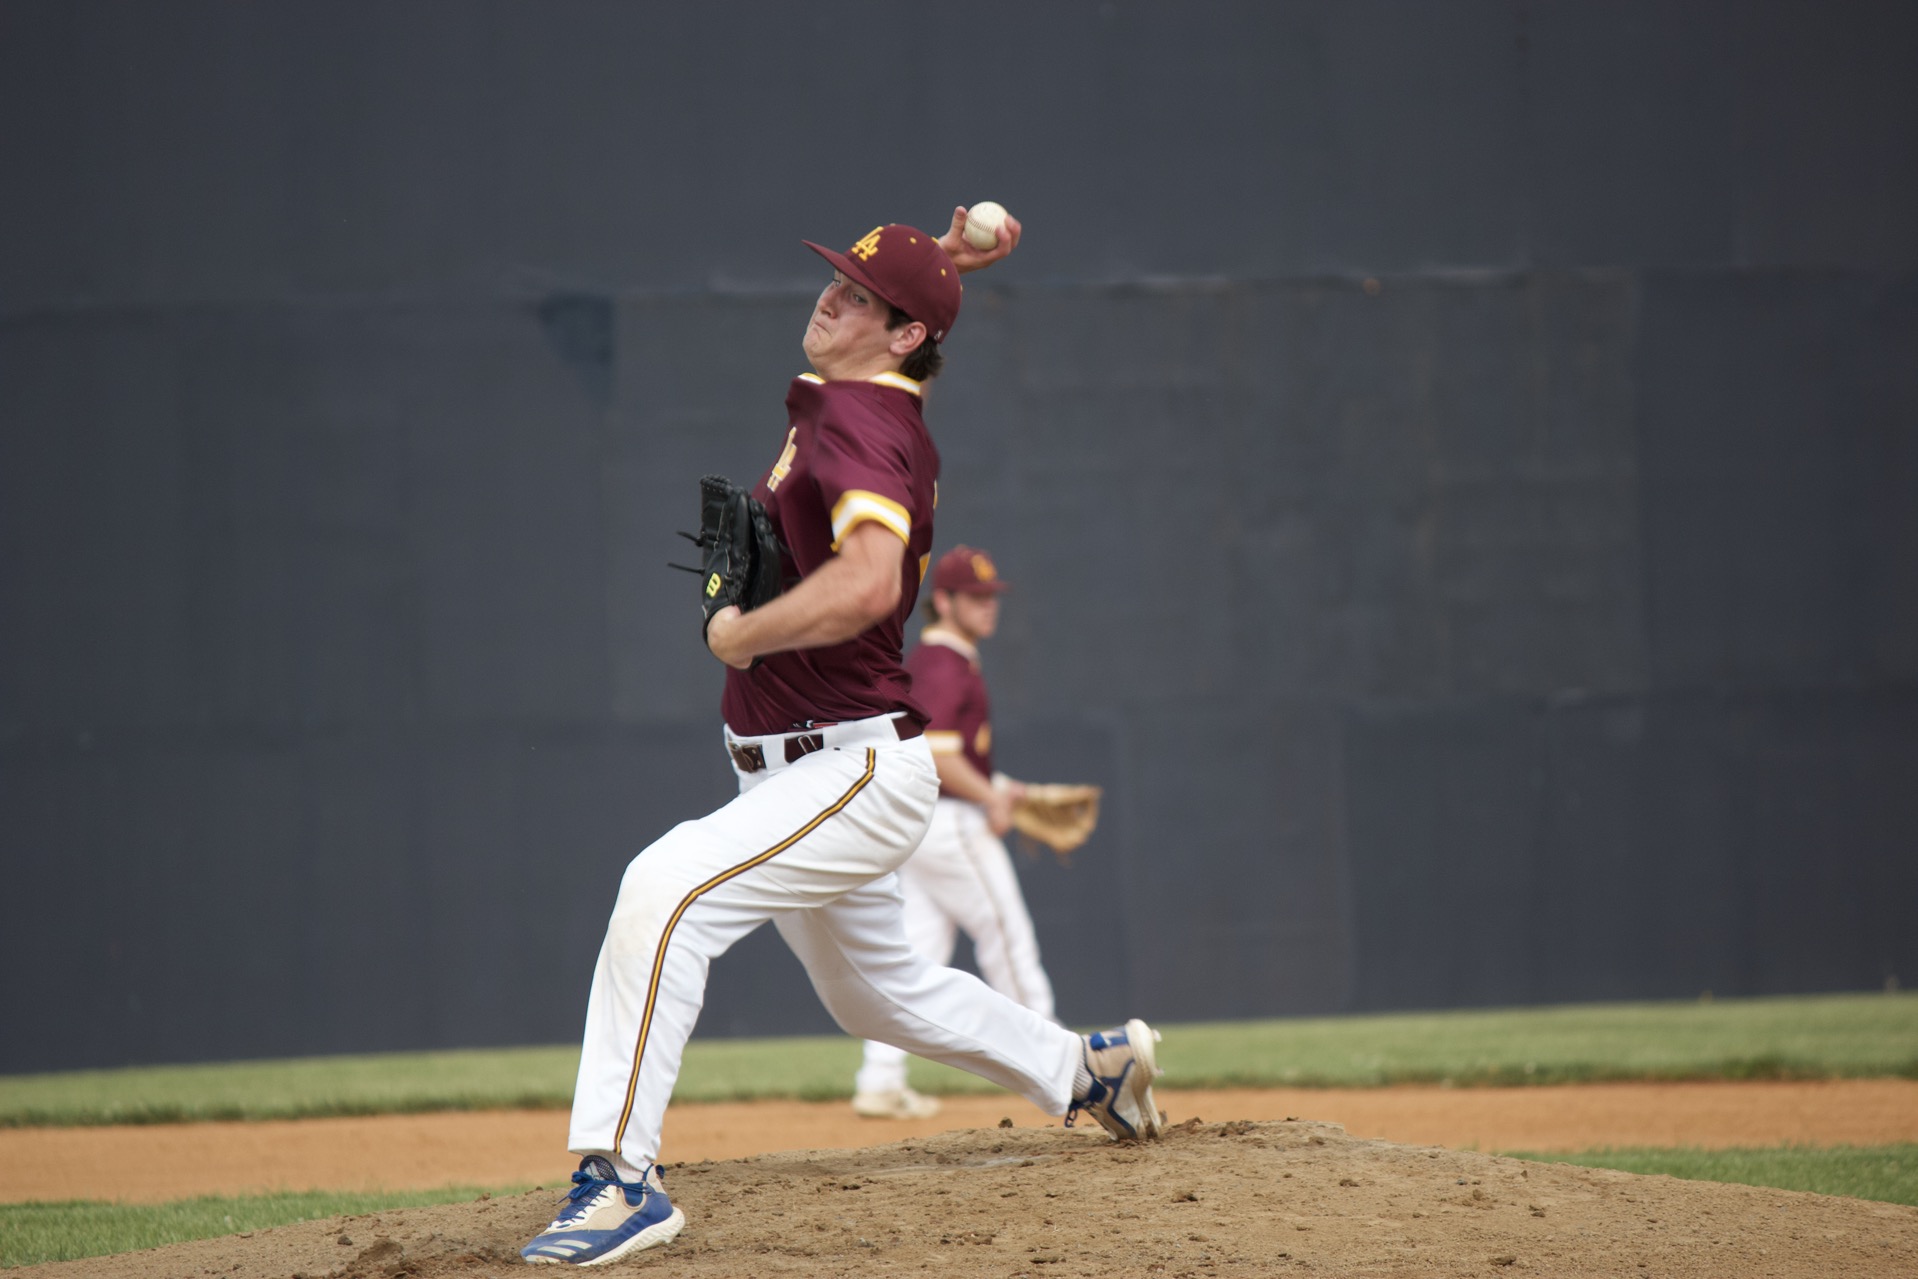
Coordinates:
<point>947,681</point>
<point>856,452</point>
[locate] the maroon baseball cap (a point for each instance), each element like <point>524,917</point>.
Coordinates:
<point>965,569</point>
<point>905,266</point>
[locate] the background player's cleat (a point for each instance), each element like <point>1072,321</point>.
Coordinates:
<point>604,1218</point>
<point>902,1103</point>
<point>1123,1064</point>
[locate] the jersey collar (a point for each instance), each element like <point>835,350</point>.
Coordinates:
<point>898,381</point>
<point>936,634</point>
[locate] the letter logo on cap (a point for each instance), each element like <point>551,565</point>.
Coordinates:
<point>868,244</point>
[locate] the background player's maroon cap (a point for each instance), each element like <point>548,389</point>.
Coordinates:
<point>905,266</point>
<point>965,569</point>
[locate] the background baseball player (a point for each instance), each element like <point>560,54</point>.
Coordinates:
<point>961,878</point>
<point>836,782</point>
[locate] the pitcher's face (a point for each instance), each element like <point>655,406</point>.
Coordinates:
<point>847,331</point>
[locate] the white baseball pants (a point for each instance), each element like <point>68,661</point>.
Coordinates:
<point>962,879</point>
<point>812,846</point>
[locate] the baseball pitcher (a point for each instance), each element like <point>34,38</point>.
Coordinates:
<point>836,781</point>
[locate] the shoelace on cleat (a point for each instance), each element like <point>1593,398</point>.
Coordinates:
<point>586,1188</point>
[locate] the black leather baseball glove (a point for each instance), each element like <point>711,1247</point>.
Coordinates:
<point>741,561</point>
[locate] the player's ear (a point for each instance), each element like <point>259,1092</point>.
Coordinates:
<point>908,338</point>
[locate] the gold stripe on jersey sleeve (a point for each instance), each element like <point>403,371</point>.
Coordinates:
<point>814,378</point>
<point>945,743</point>
<point>855,506</point>
<point>679,912</point>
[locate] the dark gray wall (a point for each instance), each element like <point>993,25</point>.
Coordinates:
<point>1457,464</point>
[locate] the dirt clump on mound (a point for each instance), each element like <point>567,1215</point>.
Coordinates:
<point>1207,1201</point>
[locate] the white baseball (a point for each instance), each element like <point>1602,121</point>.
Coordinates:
<point>983,221</point>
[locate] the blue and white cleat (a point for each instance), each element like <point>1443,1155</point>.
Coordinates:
<point>1123,1063</point>
<point>604,1218</point>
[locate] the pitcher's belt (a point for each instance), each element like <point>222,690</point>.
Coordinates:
<point>750,754</point>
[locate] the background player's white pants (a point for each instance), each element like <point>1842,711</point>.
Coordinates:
<point>961,878</point>
<point>811,845</point>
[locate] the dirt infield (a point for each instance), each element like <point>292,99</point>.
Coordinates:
<point>1332,1182</point>
<point>161,1162</point>
<point>1233,1199</point>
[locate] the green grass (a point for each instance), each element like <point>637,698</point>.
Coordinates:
<point>37,1232</point>
<point>387,1083</point>
<point>1888,1173</point>
<point>1808,1037</point>
<point>1801,1037</point>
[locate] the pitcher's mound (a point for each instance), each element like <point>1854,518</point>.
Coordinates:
<point>1208,1201</point>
